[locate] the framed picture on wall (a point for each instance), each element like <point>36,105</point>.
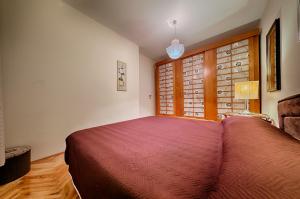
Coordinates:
<point>273,57</point>
<point>121,76</point>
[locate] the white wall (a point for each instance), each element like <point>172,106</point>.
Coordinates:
<point>2,144</point>
<point>290,53</point>
<point>147,86</point>
<point>59,70</point>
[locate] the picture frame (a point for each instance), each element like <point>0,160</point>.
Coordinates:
<point>121,76</point>
<point>274,57</point>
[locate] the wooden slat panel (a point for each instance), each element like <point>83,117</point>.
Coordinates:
<point>178,88</point>
<point>210,88</point>
<point>254,68</point>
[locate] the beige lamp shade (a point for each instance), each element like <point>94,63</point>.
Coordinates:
<point>247,90</point>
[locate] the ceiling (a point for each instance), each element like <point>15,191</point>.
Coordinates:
<point>145,21</point>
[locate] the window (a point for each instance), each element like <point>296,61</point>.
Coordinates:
<point>232,66</point>
<point>193,88</point>
<point>166,89</point>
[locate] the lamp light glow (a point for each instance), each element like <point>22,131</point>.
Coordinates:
<point>176,49</point>
<point>246,91</point>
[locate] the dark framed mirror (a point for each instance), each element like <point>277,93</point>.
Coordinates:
<point>273,57</point>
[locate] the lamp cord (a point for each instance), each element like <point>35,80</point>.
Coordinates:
<point>175,28</point>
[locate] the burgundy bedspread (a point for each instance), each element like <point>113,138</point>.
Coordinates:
<point>259,162</point>
<point>148,158</point>
<point>169,158</point>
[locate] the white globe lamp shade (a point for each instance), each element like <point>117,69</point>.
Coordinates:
<point>176,49</point>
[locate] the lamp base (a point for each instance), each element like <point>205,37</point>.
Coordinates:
<point>247,112</point>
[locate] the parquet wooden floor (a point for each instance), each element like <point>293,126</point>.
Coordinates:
<point>47,179</point>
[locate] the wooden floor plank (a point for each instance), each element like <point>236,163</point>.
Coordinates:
<point>47,179</point>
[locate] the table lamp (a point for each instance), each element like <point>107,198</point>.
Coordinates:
<point>246,91</point>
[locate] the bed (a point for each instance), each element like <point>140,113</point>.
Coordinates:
<point>167,158</point>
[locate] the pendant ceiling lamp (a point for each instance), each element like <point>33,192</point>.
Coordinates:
<point>176,49</point>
